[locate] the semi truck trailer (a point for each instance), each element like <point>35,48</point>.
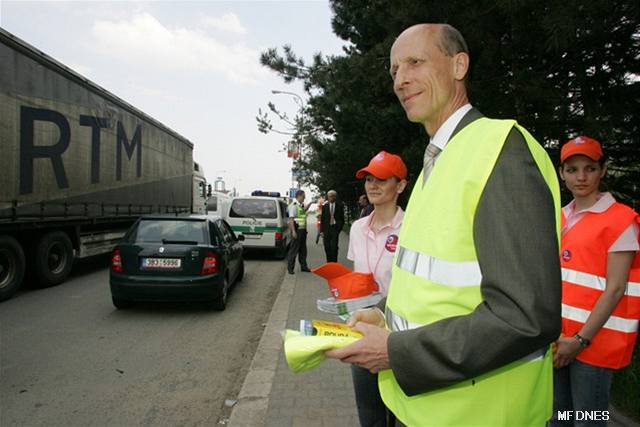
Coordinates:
<point>78,166</point>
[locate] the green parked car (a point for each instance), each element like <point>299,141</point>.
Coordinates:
<point>170,258</point>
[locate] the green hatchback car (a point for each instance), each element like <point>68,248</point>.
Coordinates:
<point>169,258</point>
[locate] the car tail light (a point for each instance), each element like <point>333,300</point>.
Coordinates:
<point>210,264</point>
<point>278,235</point>
<point>116,261</point>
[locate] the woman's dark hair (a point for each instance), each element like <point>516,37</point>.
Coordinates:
<point>603,181</point>
<point>402,197</point>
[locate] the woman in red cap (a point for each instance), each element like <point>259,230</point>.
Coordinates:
<point>600,301</point>
<point>372,244</point>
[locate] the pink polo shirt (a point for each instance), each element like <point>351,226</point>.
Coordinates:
<point>373,252</point>
<point>628,240</point>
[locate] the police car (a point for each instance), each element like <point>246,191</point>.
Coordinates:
<point>262,220</point>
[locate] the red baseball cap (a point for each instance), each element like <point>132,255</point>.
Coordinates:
<point>581,145</point>
<point>344,283</point>
<point>383,166</point>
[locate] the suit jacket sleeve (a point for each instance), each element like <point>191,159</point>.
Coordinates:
<point>517,248</point>
<point>324,218</point>
<point>339,215</point>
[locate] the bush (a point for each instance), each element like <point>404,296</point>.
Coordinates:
<point>625,394</point>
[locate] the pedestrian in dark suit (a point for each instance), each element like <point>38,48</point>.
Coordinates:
<point>331,223</point>
<point>365,207</point>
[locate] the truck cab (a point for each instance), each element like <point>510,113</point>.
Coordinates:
<point>199,198</point>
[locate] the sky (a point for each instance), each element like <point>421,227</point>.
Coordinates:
<point>192,65</point>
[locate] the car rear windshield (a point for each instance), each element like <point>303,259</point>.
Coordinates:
<point>170,231</point>
<point>253,208</point>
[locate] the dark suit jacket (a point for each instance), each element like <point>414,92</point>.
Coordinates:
<point>366,211</point>
<point>338,215</point>
<point>517,247</point>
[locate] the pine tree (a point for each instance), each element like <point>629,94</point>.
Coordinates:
<point>560,68</point>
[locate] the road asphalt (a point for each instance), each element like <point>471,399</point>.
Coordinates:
<point>69,358</point>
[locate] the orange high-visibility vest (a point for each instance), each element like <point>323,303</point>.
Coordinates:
<point>583,258</point>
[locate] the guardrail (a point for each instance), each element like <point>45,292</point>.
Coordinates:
<point>14,210</point>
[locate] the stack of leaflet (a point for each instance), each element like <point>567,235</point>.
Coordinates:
<point>342,307</point>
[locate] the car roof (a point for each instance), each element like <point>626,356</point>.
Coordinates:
<point>192,217</point>
<point>256,198</point>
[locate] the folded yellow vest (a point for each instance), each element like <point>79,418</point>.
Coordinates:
<point>304,352</point>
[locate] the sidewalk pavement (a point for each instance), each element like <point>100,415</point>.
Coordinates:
<point>273,396</point>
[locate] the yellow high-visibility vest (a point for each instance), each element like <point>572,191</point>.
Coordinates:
<point>301,216</point>
<point>436,275</point>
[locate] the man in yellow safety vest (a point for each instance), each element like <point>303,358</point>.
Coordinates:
<point>474,299</point>
<point>297,213</point>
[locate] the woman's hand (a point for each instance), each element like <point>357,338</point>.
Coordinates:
<point>566,351</point>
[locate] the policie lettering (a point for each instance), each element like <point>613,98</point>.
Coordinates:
<point>29,151</point>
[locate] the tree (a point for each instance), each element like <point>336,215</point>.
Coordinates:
<point>560,68</point>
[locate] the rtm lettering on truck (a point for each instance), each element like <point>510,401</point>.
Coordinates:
<point>29,151</point>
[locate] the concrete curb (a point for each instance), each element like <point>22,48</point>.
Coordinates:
<point>253,400</point>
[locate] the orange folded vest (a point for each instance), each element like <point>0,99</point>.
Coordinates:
<point>344,283</point>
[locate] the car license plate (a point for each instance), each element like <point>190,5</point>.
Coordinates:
<point>252,235</point>
<point>162,263</point>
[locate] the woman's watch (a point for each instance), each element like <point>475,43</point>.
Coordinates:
<point>584,342</point>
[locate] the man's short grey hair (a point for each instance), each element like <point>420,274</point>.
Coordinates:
<point>332,192</point>
<point>451,41</point>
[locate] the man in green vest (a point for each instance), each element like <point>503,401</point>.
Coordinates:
<point>474,300</point>
<point>297,212</point>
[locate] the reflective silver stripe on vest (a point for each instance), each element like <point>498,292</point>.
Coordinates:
<point>535,356</point>
<point>596,282</point>
<point>449,273</point>
<point>398,323</point>
<point>615,323</point>
<point>633,289</point>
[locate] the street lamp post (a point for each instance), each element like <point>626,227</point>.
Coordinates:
<point>300,103</point>
<point>299,99</point>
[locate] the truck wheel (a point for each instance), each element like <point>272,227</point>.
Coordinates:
<point>54,258</point>
<point>11,266</point>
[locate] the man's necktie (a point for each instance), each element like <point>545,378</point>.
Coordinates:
<point>430,155</point>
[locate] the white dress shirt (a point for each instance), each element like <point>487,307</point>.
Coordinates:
<point>443,134</point>
<point>332,213</point>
